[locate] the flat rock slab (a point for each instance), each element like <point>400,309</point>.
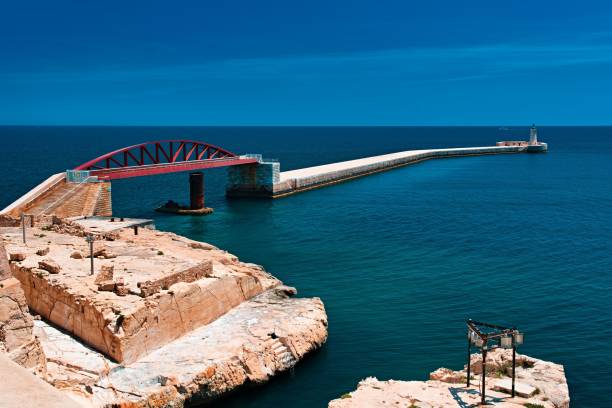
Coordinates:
<point>252,342</point>
<point>521,389</point>
<point>104,224</point>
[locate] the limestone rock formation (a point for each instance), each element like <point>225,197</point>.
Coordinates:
<point>16,338</point>
<point>252,342</point>
<point>446,388</point>
<point>163,321</point>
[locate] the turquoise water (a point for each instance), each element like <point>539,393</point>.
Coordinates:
<point>400,258</point>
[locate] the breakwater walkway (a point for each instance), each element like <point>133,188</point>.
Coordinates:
<point>266,179</point>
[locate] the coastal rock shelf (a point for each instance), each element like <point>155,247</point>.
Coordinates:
<point>162,320</point>
<point>539,383</point>
<point>127,309</point>
<point>258,339</point>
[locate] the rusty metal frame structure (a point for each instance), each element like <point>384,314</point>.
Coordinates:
<point>485,333</point>
<point>161,157</point>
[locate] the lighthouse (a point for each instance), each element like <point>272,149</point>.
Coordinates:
<point>533,136</point>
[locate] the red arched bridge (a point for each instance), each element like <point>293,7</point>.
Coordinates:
<point>166,156</point>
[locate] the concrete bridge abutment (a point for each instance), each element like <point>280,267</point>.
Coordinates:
<point>253,180</point>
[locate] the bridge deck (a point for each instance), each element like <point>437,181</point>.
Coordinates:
<point>154,169</point>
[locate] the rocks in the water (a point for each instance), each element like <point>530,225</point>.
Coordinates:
<point>49,265</point>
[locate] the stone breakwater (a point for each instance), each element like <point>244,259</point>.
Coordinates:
<point>162,321</point>
<point>538,383</point>
<point>266,180</point>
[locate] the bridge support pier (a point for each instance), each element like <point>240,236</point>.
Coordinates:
<point>196,190</point>
<point>253,180</point>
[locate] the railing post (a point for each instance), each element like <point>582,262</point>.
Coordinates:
<point>23,227</point>
<point>90,241</point>
<point>468,357</point>
<point>484,374</point>
<point>513,364</point>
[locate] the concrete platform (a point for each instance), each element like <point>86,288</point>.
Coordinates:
<point>108,224</point>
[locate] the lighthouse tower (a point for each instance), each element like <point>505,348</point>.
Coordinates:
<point>533,136</point>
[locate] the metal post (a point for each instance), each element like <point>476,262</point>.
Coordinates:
<point>469,355</point>
<point>23,227</point>
<point>484,374</point>
<point>90,240</point>
<point>513,364</point>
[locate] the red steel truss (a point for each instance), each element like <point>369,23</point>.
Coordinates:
<point>165,156</point>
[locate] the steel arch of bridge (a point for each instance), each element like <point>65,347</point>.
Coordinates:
<point>161,157</point>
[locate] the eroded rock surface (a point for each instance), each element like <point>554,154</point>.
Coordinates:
<point>162,287</point>
<point>261,337</point>
<point>162,321</point>
<point>447,388</point>
<point>16,336</point>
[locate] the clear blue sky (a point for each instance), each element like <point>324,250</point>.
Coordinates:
<point>306,63</point>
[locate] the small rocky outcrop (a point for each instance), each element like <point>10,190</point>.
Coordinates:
<point>164,321</point>
<point>544,381</point>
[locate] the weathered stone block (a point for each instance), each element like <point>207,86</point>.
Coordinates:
<point>105,274</point>
<point>49,265</point>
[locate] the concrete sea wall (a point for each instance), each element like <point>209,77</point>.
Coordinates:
<point>262,181</point>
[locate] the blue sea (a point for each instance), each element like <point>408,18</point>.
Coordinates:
<point>402,258</point>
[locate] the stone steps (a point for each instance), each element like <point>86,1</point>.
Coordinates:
<point>282,353</point>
